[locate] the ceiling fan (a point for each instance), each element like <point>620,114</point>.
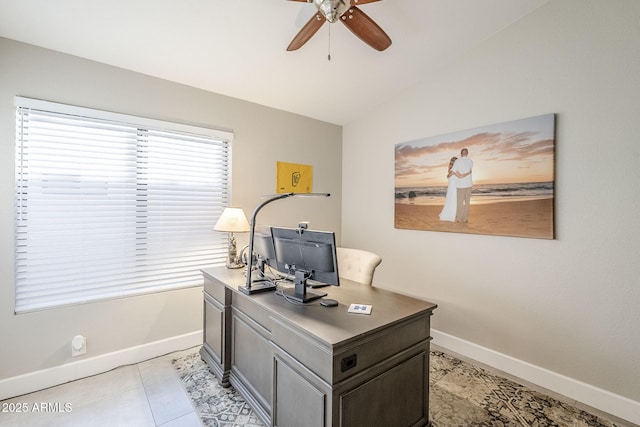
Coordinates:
<point>347,12</point>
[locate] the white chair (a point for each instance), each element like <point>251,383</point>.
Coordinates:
<point>357,265</point>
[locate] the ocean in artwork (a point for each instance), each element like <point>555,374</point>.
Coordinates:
<point>481,193</point>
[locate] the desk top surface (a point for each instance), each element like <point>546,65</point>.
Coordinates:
<point>332,325</point>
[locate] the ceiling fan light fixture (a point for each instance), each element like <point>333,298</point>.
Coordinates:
<point>332,10</point>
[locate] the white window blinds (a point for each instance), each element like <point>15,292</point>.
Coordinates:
<point>109,205</point>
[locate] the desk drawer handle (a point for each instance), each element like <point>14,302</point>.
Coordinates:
<point>349,362</point>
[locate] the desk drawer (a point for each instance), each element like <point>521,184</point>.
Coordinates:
<point>334,364</point>
<point>217,290</point>
<point>354,357</point>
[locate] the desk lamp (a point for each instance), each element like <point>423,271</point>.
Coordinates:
<point>232,220</point>
<point>265,286</point>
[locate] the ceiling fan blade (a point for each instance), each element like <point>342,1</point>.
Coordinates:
<point>309,29</point>
<point>366,29</point>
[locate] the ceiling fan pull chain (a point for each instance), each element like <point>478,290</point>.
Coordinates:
<point>329,54</point>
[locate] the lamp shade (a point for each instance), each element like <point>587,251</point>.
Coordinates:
<point>232,220</point>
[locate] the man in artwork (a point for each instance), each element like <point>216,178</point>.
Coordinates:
<point>463,165</point>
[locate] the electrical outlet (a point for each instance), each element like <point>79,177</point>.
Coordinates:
<point>78,345</point>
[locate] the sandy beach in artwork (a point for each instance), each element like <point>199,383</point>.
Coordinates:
<point>521,218</point>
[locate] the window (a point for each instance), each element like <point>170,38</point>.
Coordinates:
<point>109,205</point>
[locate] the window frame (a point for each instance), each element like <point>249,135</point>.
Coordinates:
<point>223,138</point>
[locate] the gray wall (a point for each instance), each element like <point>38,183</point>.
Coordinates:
<point>569,305</point>
<point>40,340</point>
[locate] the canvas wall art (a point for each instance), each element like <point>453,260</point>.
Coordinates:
<point>494,180</point>
<point>293,178</point>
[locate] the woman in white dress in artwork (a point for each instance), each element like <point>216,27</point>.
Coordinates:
<point>450,201</point>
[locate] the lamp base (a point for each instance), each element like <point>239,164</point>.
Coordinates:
<point>234,265</point>
<point>258,287</point>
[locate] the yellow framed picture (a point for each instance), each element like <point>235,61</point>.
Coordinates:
<point>294,178</point>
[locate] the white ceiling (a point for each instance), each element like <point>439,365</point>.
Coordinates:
<point>237,47</point>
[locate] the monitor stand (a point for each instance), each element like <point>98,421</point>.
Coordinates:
<point>299,292</point>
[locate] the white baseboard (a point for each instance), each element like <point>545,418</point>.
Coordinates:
<point>610,403</point>
<point>45,378</point>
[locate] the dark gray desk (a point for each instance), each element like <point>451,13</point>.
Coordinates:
<point>309,365</point>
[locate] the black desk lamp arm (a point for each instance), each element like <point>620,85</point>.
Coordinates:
<point>252,225</point>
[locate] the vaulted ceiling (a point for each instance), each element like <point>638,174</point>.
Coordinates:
<point>238,47</point>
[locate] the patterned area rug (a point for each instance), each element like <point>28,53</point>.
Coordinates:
<point>217,406</point>
<point>461,394</point>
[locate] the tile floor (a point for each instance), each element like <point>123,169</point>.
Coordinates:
<point>147,394</point>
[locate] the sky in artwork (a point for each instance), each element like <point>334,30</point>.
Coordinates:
<point>512,152</point>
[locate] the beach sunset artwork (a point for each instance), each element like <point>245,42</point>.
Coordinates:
<point>509,168</point>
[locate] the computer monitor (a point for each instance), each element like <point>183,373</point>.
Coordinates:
<point>305,257</point>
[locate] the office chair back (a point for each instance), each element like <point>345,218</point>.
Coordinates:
<point>357,265</point>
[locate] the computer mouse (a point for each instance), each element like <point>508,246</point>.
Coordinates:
<point>328,302</point>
